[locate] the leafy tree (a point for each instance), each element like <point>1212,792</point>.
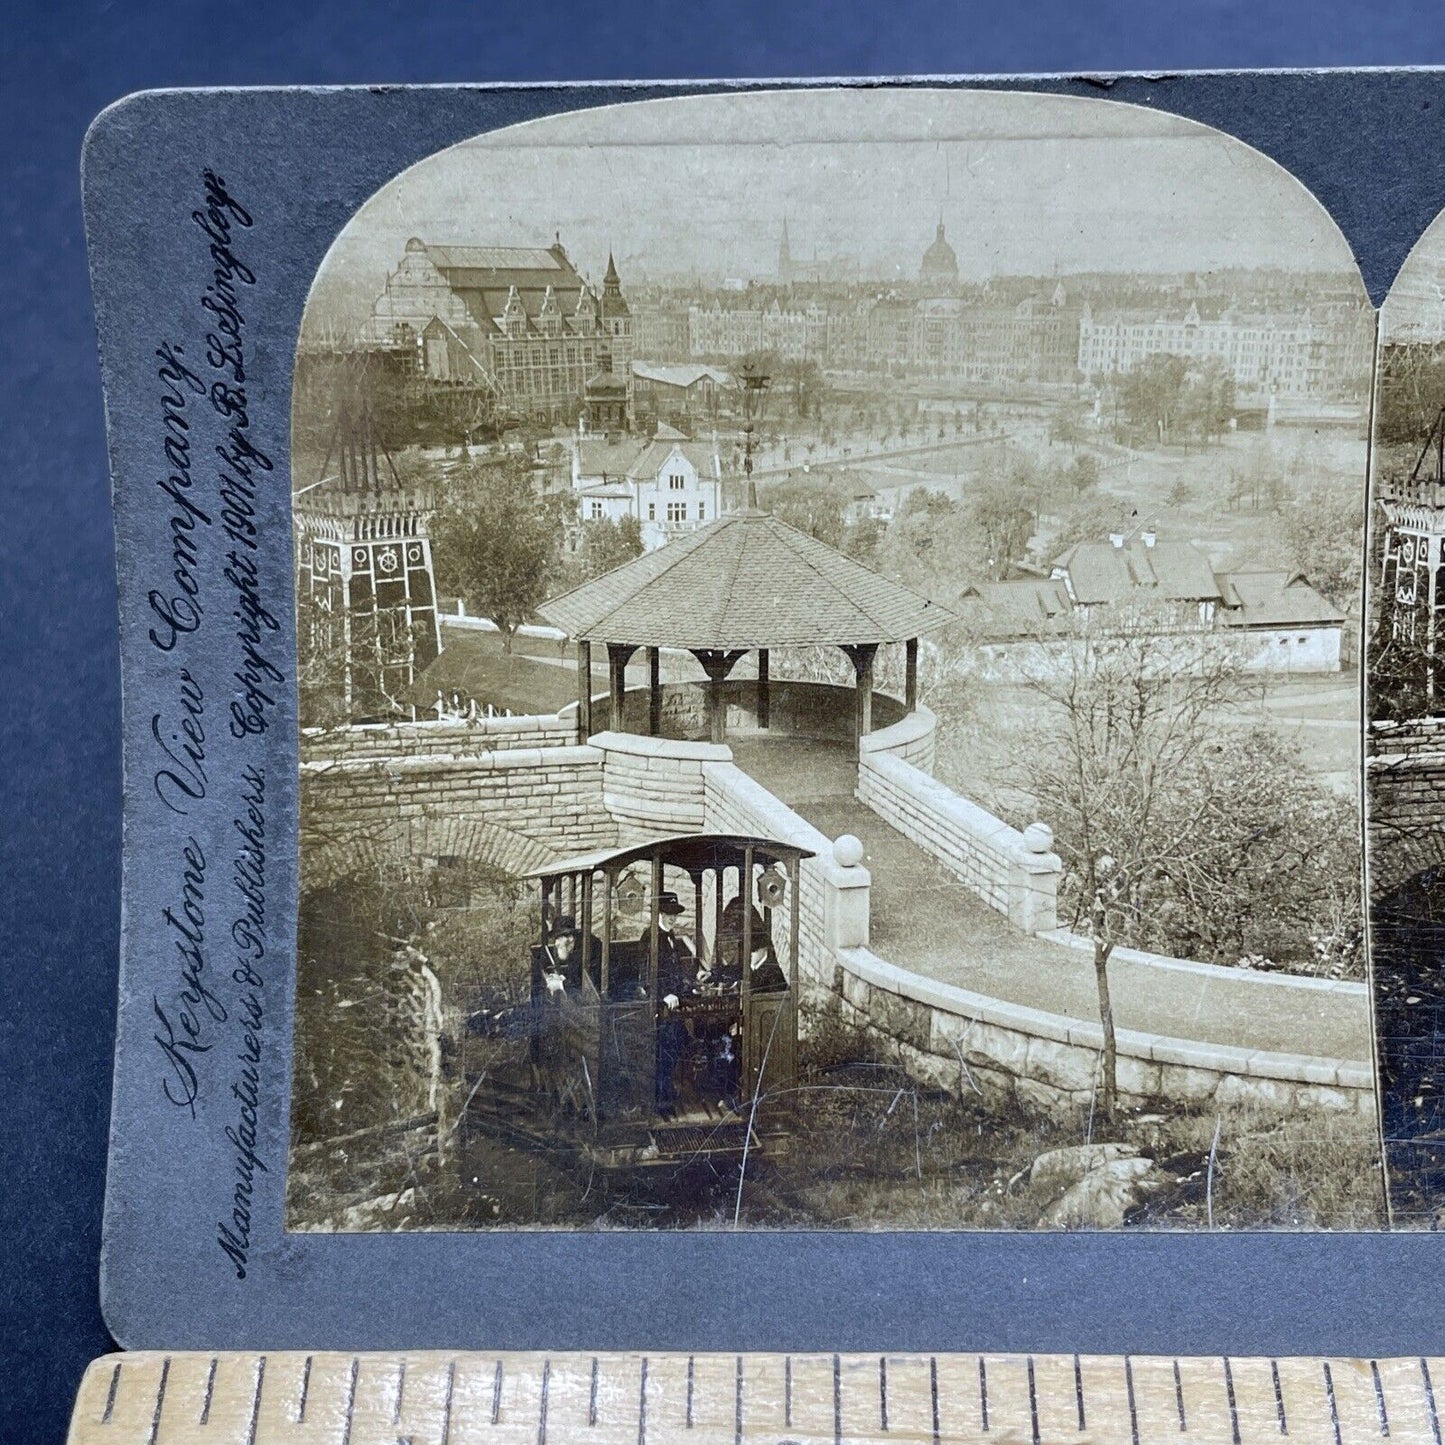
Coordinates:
<point>1003,522</point>
<point>814,508</point>
<point>1152,393</point>
<point>862,539</point>
<point>1090,519</point>
<point>1322,534</point>
<point>497,543</point>
<point>1208,401</point>
<point>607,544</point>
<point>1066,429</point>
<point>1083,473</point>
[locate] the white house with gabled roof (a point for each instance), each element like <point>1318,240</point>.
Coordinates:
<point>669,482</point>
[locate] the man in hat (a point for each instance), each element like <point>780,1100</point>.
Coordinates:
<point>562,957</point>
<point>676,970</point>
<point>676,962</point>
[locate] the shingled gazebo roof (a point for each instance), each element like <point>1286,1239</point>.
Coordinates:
<point>744,581</point>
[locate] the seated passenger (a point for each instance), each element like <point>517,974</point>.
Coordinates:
<point>728,966</point>
<point>765,975</point>
<point>562,957</point>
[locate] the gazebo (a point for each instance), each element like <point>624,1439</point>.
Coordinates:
<point>744,583</point>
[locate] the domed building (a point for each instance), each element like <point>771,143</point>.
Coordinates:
<point>940,265</point>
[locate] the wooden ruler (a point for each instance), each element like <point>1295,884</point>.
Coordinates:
<point>712,1399</point>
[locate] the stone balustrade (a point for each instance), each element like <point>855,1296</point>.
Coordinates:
<point>1015,872</point>
<point>1012,1055</point>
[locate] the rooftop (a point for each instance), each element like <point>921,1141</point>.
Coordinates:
<point>1274,599</point>
<point>1100,572</point>
<point>747,580</point>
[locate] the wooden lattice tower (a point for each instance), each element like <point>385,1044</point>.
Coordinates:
<point>1412,567</point>
<point>365,585</point>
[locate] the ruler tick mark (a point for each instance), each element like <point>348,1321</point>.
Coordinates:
<point>933,1392</point>
<point>983,1391</point>
<point>300,1404</point>
<point>883,1392</point>
<point>1380,1399</point>
<point>351,1399</point>
<point>110,1394</point>
<point>400,1391</point>
<point>497,1393</point>
<point>591,1391</point>
<point>1079,1389</point>
<point>787,1392</point>
<point>1133,1410</point>
<point>837,1401</point>
<point>211,1390</point>
<point>256,1401</point>
<point>1179,1398</point>
<point>738,1404</point>
<point>690,1368</point>
<point>1334,1404</point>
<point>642,1406</point>
<point>542,1408</point>
<point>447,1403</point>
<point>1279,1398</point>
<point>1033,1403</point>
<point>1233,1406</point>
<point>1430,1401</point>
<point>160,1400</point>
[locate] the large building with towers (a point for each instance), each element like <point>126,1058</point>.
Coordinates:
<point>520,321</point>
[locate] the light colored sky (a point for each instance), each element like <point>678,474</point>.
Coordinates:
<point>1415,308</point>
<point>1025,183</point>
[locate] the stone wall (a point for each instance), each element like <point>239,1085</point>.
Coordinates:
<point>1008,1054</point>
<point>436,738</point>
<point>913,738</point>
<point>1013,872</point>
<point>821,710</point>
<point>1405,801</point>
<point>655,785</point>
<point>552,795</point>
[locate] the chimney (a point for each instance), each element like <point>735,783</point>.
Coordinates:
<point>1116,540</point>
<point>1150,537</point>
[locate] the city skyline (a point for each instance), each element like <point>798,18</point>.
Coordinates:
<point>1024,184</point>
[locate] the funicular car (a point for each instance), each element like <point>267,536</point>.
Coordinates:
<point>664,998</point>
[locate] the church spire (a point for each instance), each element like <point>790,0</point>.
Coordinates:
<point>785,256</point>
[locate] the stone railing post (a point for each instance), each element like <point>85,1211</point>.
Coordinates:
<point>1033,881</point>
<point>847,887</point>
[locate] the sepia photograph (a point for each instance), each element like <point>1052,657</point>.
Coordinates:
<point>1405,738</point>
<point>831,633</point>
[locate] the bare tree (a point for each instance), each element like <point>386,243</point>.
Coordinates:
<point>1129,715</point>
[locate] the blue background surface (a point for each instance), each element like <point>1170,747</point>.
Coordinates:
<point>59,727</point>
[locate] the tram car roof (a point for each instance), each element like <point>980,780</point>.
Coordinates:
<point>692,852</point>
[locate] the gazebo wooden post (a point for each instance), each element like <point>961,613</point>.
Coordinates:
<point>654,691</point>
<point>763,700</point>
<point>910,674</point>
<point>717,665</point>
<point>584,691</point>
<point>861,655</point>
<point>617,656</point>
